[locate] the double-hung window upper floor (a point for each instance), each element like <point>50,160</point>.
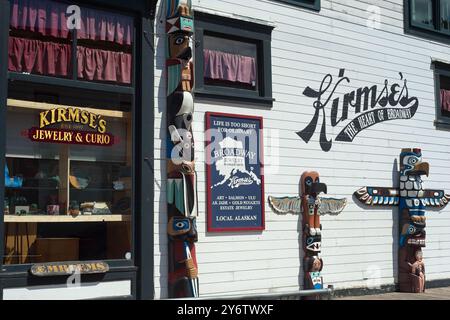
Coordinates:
<point>59,39</point>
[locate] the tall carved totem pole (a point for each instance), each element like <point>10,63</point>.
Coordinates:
<point>181,174</point>
<point>312,204</point>
<point>412,201</point>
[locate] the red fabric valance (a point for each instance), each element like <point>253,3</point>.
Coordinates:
<point>38,57</point>
<point>104,65</point>
<point>229,67</point>
<point>105,26</point>
<point>42,16</point>
<point>49,18</point>
<point>48,58</point>
<point>445,100</point>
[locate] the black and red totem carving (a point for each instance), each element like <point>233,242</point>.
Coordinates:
<point>312,205</point>
<point>181,174</point>
<point>412,201</point>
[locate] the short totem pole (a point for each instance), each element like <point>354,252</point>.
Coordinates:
<point>412,201</point>
<point>312,205</point>
<point>181,174</point>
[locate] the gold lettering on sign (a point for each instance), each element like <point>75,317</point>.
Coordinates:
<point>44,122</point>
<point>72,115</point>
<point>57,269</point>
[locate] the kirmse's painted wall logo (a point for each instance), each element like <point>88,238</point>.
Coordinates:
<point>370,106</point>
<point>231,165</point>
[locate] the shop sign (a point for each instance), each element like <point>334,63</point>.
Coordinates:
<point>368,105</point>
<point>68,268</point>
<point>66,125</point>
<point>235,176</point>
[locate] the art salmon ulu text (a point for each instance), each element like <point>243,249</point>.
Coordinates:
<point>182,177</point>
<point>368,105</point>
<point>412,200</point>
<point>312,204</point>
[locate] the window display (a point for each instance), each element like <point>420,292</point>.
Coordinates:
<point>68,185</point>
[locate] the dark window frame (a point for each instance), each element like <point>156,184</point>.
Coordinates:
<point>440,69</point>
<point>415,29</point>
<point>302,3</point>
<point>242,31</point>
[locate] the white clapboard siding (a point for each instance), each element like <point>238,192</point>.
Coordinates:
<point>359,247</point>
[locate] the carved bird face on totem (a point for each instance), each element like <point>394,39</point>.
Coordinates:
<point>179,46</point>
<point>311,185</point>
<point>411,163</point>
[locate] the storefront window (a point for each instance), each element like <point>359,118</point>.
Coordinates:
<point>68,185</point>
<point>42,35</point>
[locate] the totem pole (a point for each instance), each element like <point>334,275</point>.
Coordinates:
<point>181,174</point>
<point>312,205</point>
<point>412,201</point>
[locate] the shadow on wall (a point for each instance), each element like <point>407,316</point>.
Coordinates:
<point>395,219</point>
<point>301,254</point>
<point>160,54</point>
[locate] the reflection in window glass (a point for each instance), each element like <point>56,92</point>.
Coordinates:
<point>68,185</point>
<point>230,63</point>
<point>445,15</point>
<point>422,12</point>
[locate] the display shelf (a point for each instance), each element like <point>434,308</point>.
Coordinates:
<point>99,190</point>
<point>66,219</point>
<point>31,188</point>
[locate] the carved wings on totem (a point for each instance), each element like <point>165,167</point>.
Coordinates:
<point>293,205</point>
<point>381,196</point>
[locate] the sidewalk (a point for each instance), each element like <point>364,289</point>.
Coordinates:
<point>430,294</point>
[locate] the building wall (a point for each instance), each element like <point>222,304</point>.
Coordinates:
<point>359,247</point>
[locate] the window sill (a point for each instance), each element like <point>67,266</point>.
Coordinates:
<point>64,82</point>
<point>265,102</point>
<point>315,6</point>
<point>442,124</point>
<point>428,33</point>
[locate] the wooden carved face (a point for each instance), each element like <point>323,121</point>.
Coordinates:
<point>411,163</point>
<point>179,46</point>
<point>311,184</point>
<point>182,228</point>
<point>317,265</point>
<point>314,264</point>
<point>419,255</point>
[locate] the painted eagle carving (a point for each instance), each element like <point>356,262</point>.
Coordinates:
<point>311,203</point>
<point>293,205</point>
